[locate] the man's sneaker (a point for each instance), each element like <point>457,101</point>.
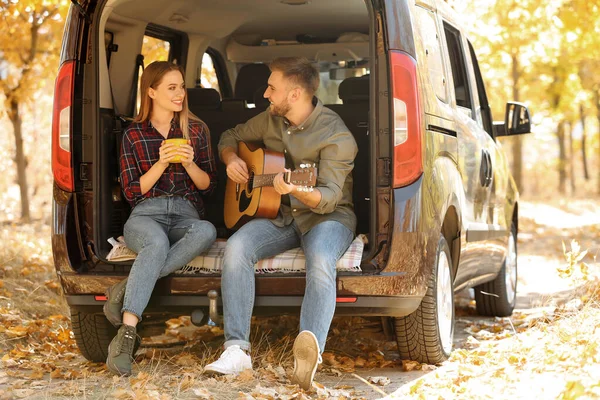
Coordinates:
<point>233,361</point>
<point>306,358</point>
<point>120,350</point>
<point>114,303</point>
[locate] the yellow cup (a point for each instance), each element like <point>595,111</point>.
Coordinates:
<point>177,142</point>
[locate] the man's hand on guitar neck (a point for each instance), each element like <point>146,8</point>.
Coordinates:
<point>237,170</point>
<point>311,199</point>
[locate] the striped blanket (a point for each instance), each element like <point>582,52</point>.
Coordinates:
<point>211,261</point>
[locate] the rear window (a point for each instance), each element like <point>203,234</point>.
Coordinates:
<point>433,51</point>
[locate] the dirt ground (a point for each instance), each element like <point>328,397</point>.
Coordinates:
<point>40,360</point>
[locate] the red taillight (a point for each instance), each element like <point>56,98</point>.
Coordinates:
<point>345,299</point>
<point>408,165</point>
<point>61,127</point>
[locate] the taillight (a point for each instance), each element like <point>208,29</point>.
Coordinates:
<point>61,127</point>
<point>408,165</point>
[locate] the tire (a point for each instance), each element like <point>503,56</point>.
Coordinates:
<point>427,334</point>
<point>93,334</point>
<point>497,298</point>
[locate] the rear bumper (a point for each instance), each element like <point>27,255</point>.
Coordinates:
<point>266,305</point>
<point>380,285</point>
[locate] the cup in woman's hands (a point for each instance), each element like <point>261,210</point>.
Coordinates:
<point>177,142</point>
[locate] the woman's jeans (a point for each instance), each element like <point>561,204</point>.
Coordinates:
<point>166,233</point>
<point>323,246</point>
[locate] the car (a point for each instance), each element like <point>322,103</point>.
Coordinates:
<point>433,193</point>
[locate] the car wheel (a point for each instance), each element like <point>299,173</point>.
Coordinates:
<point>93,333</point>
<point>497,298</point>
<point>427,334</point>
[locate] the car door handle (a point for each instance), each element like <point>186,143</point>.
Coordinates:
<point>484,169</point>
<point>489,169</point>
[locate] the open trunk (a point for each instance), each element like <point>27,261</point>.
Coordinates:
<point>239,38</point>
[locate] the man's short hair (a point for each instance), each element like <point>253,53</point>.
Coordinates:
<point>299,70</point>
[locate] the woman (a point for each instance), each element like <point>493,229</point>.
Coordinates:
<point>165,227</point>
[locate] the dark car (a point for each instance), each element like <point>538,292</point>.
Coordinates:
<point>432,189</point>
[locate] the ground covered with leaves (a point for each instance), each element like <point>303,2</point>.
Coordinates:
<point>548,349</point>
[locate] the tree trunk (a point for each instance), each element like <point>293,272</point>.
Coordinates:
<point>571,160</point>
<point>586,173</point>
<point>562,158</point>
<point>15,119</point>
<point>517,144</point>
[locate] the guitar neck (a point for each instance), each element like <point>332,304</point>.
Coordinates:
<point>263,180</point>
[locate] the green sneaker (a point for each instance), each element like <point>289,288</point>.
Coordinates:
<point>120,351</point>
<point>114,303</point>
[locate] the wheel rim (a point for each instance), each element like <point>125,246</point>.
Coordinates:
<point>510,270</point>
<point>445,306</point>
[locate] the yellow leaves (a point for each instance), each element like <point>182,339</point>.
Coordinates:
<point>414,389</point>
<point>187,360</point>
<point>516,360</point>
<point>52,284</point>
<point>573,391</point>
<point>246,376</point>
<point>573,258</point>
<point>16,332</point>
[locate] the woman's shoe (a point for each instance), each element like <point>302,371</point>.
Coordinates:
<point>120,351</point>
<point>114,303</point>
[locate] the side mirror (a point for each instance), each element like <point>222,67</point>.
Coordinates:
<point>516,121</point>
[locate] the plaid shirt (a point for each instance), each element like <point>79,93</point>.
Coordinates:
<point>139,151</point>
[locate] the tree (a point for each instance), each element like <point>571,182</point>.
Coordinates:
<point>581,20</point>
<point>512,28</point>
<point>30,33</point>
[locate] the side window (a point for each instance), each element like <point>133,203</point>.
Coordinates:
<point>153,49</point>
<point>208,74</point>
<point>457,63</point>
<point>486,112</point>
<point>433,51</point>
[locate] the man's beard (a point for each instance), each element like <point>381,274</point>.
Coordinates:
<point>280,110</point>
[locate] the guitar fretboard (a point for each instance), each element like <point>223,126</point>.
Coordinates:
<point>262,180</point>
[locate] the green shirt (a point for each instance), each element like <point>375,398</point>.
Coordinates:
<point>322,139</point>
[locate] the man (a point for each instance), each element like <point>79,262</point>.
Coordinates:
<point>321,221</point>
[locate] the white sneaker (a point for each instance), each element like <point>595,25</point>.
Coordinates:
<point>233,361</point>
<point>306,358</point>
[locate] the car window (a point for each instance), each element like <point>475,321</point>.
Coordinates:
<point>433,51</point>
<point>153,49</point>
<point>208,74</point>
<point>484,106</point>
<point>332,74</point>
<point>456,54</point>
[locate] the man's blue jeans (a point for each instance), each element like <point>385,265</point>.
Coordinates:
<point>323,246</point>
<point>166,233</point>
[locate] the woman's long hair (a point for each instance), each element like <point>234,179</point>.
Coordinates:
<point>151,78</point>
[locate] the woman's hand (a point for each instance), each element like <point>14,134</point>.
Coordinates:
<point>186,152</point>
<point>166,153</point>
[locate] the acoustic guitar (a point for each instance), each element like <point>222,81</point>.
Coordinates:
<point>257,197</point>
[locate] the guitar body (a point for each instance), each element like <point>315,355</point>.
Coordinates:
<point>244,202</point>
